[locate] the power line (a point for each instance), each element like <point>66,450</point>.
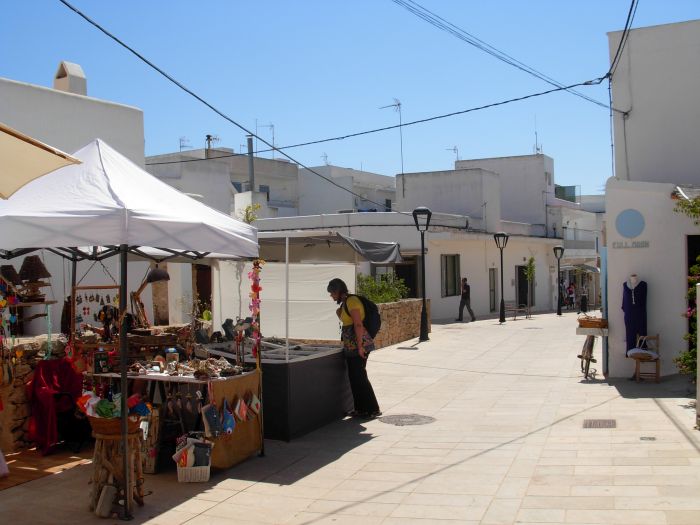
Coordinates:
<point>448,27</point>
<point>623,38</point>
<point>405,124</point>
<point>203,101</point>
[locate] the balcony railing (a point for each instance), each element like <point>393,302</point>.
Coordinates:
<point>570,244</point>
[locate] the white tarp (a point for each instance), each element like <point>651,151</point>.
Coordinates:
<point>23,159</point>
<point>311,310</point>
<point>108,200</point>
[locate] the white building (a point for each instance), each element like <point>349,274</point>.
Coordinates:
<point>66,118</point>
<point>656,148</point>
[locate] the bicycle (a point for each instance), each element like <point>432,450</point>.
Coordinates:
<point>586,355</point>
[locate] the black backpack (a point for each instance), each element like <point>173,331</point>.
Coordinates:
<point>372,321</point>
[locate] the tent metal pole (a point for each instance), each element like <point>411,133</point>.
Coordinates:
<point>123,367</point>
<point>286,297</point>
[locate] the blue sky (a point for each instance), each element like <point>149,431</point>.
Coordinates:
<point>322,68</point>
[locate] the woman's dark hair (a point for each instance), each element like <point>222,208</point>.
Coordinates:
<point>337,286</point>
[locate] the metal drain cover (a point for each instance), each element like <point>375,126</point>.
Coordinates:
<point>403,420</point>
<point>599,423</point>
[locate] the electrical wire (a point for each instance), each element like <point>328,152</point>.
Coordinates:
<point>623,39</point>
<point>448,27</point>
<point>412,123</point>
<point>203,101</point>
<point>272,146</point>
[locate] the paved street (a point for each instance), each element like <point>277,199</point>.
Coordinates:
<point>507,446</point>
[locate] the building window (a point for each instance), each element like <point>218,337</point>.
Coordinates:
<point>492,289</point>
<point>238,186</point>
<point>450,275</point>
<point>387,204</point>
<point>264,188</point>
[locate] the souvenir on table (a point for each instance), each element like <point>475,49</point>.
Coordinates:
<point>255,404</point>
<point>241,410</point>
<point>229,422</point>
<point>212,421</point>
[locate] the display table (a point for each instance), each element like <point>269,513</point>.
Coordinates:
<point>229,449</point>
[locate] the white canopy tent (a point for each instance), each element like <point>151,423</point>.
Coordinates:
<point>108,201</point>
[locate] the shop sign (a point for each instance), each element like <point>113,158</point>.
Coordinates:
<point>630,244</point>
<point>630,224</point>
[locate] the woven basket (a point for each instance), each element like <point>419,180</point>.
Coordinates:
<point>193,474</point>
<point>592,322</point>
<point>112,425</point>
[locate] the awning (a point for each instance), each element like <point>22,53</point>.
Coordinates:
<point>376,252</point>
<point>581,267</point>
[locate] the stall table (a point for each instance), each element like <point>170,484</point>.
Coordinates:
<point>229,449</point>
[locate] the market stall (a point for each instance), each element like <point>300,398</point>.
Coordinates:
<point>109,201</point>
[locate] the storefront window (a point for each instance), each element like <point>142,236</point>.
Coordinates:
<point>450,275</point>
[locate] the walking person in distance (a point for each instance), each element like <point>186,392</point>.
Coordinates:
<point>357,345</point>
<point>465,301</point>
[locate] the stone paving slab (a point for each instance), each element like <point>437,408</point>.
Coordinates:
<point>507,446</point>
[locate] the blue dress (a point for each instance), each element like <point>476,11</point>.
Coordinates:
<point>634,304</point>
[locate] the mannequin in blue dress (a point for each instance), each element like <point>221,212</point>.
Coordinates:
<point>634,304</point>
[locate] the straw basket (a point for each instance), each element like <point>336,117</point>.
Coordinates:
<point>193,474</point>
<point>112,425</point>
<point>592,322</point>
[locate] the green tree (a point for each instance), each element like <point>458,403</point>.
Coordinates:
<point>249,213</point>
<point>530,276</point>
<point>386,288</point>
<point>687,361</point>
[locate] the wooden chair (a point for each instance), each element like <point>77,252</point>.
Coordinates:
<point>651,343</point>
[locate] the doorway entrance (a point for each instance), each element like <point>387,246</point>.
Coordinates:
<point>522,288</point>
<point>408,272</point>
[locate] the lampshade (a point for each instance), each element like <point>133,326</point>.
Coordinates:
<point>421,216</point>
<point>501,239</point>
<point>157,275</point>
<point>33,269</point>
<point>558,251</point>
<point>8,272</point>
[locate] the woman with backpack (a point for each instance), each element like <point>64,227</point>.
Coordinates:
<point>352,314</point>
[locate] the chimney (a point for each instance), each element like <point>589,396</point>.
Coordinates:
<point>70,78</point>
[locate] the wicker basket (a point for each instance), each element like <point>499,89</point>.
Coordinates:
<point>592,322</point>
<point>193,474</point>
<point>112,425</point>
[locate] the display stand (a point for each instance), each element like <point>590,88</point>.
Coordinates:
<point>108,461</point>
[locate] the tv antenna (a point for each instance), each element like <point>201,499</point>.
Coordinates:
<point>455,150</point>
<point>397,107</point>
<point>211,139</point>
<point>184,143</point>
<point>325,158</point>
<point>538,147</point>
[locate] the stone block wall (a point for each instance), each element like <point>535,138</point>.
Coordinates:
<point>400,321</point>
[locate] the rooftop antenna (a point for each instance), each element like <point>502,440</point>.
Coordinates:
<point>397,107</point>
<point>209,140</point>
<point>272,128</point>
<point>325,158</point>
<point>184,143</point>
<point>454,150</point>
<point>538,147</point>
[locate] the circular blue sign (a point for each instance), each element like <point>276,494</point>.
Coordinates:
<point>629,223</point>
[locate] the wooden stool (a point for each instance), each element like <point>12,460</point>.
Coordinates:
<point>108,464</point>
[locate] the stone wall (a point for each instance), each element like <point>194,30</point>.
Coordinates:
<point>400,321</point>
<point>14,418</point>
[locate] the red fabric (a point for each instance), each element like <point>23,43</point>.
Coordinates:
<point>50,377</point>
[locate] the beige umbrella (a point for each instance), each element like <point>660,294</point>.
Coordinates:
<point>23,159</point>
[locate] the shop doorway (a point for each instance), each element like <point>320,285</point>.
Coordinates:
<point>408,272</point>
<point>521,286</point>
<point>492,289</point>
<point>202,286</point>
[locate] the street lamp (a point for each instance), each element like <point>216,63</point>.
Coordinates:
<point>421,217</point>
<point>501,239</point>
<point>558,253</point>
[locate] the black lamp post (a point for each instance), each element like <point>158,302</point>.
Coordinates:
<point>421,217</point>
<point>501,239</point>
<point>558,253</point>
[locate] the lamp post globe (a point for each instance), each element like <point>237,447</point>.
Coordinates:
<point>558,253</point>
<point>501,239</point>
<point>421,216</point>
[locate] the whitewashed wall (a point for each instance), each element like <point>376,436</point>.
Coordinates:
<point>658,256</point>
<point>311,310</point>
